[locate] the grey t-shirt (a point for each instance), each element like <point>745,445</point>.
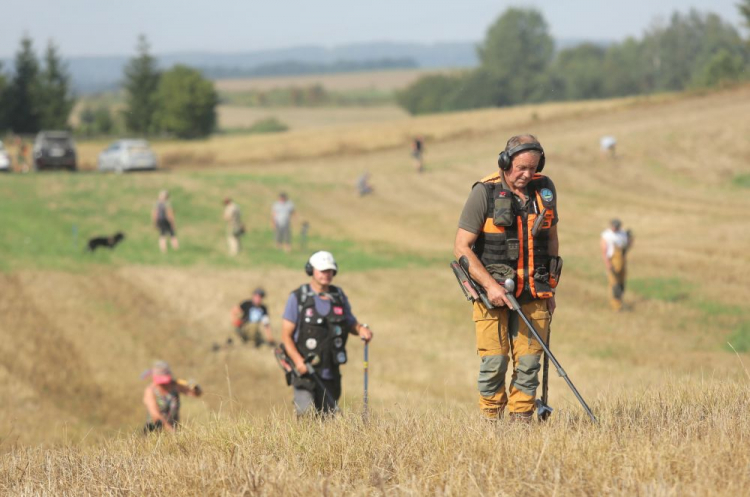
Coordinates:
<point>282,212</point>
<point>475,210</point>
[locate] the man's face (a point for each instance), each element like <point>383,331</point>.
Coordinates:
<point>522,169</point>
<point>257,299</point>
<point>323,277</point>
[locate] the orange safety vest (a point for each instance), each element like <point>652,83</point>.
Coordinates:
<point>506,237</point>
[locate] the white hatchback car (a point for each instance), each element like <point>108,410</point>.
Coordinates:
<point>4,159</point>
<point>127,155</point>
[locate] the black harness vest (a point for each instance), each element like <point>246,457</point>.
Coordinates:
<point>321,338</point>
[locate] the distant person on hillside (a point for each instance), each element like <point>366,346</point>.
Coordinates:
<point>22,162</point>
<point>417,149</point>
<point>303,234</point>
<point>163,218</point>
<point>162,398</point>
<point>235,227</point>
<point>607,146</point>
<point>250,316</point>
<point>615,244</point>
<point>516,200</point>
<point>316,323</point>
<point>363,184</point>
<point>282,212</point>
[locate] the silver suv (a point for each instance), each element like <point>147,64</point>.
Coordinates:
<point>54,150</point>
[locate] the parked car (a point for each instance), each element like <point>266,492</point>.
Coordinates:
<point>54,150</point>
<point>127,155</point>
<point>4,159</point>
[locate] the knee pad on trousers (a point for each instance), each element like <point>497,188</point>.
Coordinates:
<point>527,374</point>
<point>617,291</point>
<point>492,374</point>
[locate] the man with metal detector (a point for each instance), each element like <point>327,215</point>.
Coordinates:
<point>316,323</point>
<point>508,230</point>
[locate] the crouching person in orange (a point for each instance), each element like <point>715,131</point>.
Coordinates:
<point>162,398</point>
<point>508,228</point>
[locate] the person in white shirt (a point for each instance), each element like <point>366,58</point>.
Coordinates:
<point>614,244</point>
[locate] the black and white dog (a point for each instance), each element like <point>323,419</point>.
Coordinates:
<point>105,241</point>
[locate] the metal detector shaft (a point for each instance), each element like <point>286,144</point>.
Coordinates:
<point>510,286</point>
<point>366,366</point>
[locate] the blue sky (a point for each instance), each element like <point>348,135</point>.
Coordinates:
<point>110,27</point>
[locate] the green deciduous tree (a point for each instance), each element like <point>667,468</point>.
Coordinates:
<point>56,98</point>
<point>744,8</point>
<point>141,84</point>
<point>187,103</point>
<point>24,112</point>
<point>580,72</point>
<point>723,67</point>
<point>518,51</point>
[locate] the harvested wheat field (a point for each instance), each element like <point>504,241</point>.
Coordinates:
<point>668,378</point>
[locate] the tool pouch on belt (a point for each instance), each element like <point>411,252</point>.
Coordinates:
<point>501,272</point>
<point>542,281</point>
<point>555,270</point>
<point>303,383</point>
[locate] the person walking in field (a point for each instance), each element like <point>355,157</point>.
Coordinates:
<point>235,227</point>
<point>163,218</point>
<point>417,149</point>
<point>162,398</point>
<point>316,323</point>
<point>250,316</point>
<point>607,145</point>
<point>508,229</point>
<point>22,162</point>
<point>615,244</point>
<point>282,212</point>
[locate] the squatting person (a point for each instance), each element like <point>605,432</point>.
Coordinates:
<point>250,316</point>
<point>508,227</point>
<point>317,320</point>
<point>615,243</point>
<point>162,398</point>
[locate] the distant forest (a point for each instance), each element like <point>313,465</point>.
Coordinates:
<point>297,68</point>
<point>519,64</point>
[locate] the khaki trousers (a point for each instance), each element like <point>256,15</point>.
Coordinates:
<point>616,278</point>
<point>501,334</point>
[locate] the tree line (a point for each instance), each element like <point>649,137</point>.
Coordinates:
<point>36,95</point>
<point>519,64</point>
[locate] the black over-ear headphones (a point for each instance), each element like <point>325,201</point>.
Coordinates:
<point>309,268</point>
<point>505,159</point>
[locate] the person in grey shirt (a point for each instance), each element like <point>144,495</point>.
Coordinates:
<point>162,216</point>
<point>282,212</point>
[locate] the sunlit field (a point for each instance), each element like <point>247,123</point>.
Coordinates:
<point>668,378</point>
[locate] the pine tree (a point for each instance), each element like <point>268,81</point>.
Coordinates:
<point>4,100</point>
<point>141,83</point>
<point>24,92</point>
<point>56,95</point>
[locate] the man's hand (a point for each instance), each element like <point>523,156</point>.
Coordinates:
<point>551,305</point>
<point>301,367</point>
<point>497,296</point>
<point>364,332</point>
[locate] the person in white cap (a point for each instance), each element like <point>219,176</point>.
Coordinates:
<point>316,323</point>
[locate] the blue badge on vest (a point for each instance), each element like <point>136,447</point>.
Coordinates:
<point>546,194</point>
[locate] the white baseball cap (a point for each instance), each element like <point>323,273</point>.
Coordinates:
<point>323,261</point>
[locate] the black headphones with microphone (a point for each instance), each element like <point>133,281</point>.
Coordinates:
<point>505,159</point>
<point>309,268</point>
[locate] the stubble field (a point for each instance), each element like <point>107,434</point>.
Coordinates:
<point>671,395</point>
